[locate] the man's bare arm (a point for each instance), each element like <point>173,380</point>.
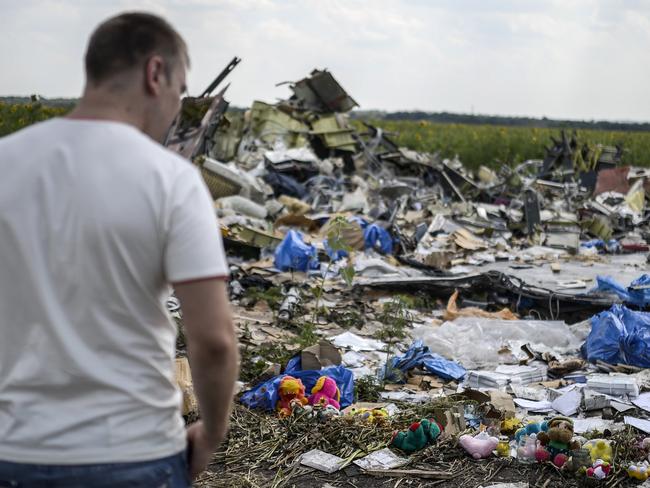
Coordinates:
<point>212,351</point>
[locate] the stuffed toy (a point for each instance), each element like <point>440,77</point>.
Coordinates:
<point>599,470</point>
<point>638,471</point>
<point>292,395</point>
<point>372,415</point>
<point>325,393</point>
<point>417,437</point>
<point>558,441</point>
<point>479,446</point>
<point>599,449</point>
<point>510,426</point>
<point>579,461</point>
<point>533,428</point>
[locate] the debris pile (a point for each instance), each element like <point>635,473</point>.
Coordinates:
<point>403,316</point>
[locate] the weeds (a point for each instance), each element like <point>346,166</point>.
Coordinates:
<point>367,389</point>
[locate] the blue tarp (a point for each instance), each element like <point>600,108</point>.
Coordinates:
<point>265,395</point>
<point>619,335</point>
<point>376,237</point>
<point>294,254</point>
<point>612,245</point>
<point>418,355</point>
<point>640,297</point>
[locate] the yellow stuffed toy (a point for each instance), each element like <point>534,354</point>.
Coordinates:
<point>292,394</point>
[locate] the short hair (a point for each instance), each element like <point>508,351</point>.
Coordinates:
<point>126,41</point>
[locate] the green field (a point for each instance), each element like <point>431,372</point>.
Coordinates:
<point>17,116</point>
<point>493,145</point>
<point>490,145</point>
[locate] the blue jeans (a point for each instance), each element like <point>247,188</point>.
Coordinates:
<point>170,472</point>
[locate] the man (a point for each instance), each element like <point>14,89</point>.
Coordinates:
<point>96,221</point>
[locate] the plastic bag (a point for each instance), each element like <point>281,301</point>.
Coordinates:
<point>294,254</point>
<point>619,335</point>
<point>377,237</point>
<point>265,395</point>
<point>418,355</point>
<point>638,297</point>
<point>479,343</point>
<point>374,236</point>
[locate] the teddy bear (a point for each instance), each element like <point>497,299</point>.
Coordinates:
<point>325,393</point>
<point>292,394</point>
<point>480,446</point>
<point>557,442</point>
<point>418,436</point>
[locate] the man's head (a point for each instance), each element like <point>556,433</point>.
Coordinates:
<point>140,60</point>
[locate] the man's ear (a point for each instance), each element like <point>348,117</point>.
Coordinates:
<point>154,72</point>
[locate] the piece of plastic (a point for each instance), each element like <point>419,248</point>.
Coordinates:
<point>619,335</point>
<point>265,395</point>
<point>284,185</point>
<point>480,343</point>
<point>639,297</point>
<point>611,246</point>
<point>374,236</point>
<point>294,254</point>
<point>418,355</point>
<point>377,237</point>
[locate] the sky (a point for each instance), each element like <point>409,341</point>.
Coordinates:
<point>570,59</point>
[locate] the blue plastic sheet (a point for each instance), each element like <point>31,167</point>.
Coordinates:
<point>638,297</point>
<point>611,246</point>
<point>418,355</point>
<point>294,254</point>
<point>376,237</point>
<point>265,395</point>
<point>619,335</point>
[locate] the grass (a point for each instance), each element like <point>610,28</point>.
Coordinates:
<point>492,145</point>
<point>475,145</point>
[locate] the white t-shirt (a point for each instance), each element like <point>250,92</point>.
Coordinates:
<point>95,220</point>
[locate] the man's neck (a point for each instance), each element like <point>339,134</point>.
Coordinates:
<point>95,105</point>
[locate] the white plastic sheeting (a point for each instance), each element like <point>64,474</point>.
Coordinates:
<point>480,343</point>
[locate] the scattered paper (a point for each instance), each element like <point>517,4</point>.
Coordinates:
<point>383,459</point>
<point>353,359</point>
<point>533,406</point>
<point>642,425</point>
<point>321,461</point>
<point>403,396</point>
<point>529,393</point>
<point>568,404</point>
<point>356,343</point>
<point>643,401</point>
<point>582,426</point>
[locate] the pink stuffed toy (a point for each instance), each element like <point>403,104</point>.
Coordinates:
<point>480,446</point>
<point>325,393</point>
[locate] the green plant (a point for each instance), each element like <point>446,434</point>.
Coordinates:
<point>337,245</point>
<point>273,296</point>
<point>367,389</point>
<point>395,319</point>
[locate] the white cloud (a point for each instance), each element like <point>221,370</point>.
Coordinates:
<point>559,58</point>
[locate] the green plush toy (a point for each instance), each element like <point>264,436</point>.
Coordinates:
<point>417,437</point>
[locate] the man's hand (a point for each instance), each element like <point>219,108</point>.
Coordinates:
<point>200,449</point>
<point>212,353</point>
